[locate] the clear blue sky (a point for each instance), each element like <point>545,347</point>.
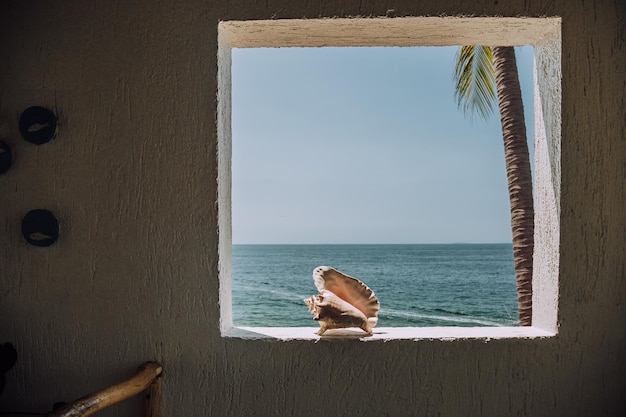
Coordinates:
<point>364,145</point>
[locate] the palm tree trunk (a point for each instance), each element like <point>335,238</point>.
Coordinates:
<point>518,174</point>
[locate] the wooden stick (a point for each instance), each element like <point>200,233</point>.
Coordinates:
<point>144,377</point>
<point>152,400</point>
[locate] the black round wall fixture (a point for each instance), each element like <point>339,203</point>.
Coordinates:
<point>40,227</point>
<point>38,125</point>
<point>6,157</point>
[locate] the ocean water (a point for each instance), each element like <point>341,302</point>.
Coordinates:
<point>417,285</point>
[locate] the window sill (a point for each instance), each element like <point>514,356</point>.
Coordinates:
<point>390,333</point>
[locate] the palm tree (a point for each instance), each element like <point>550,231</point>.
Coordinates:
<point>480,72</point>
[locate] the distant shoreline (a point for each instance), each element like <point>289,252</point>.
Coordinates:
<point>369,244</point>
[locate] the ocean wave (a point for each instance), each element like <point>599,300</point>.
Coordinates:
<point>451,319</point>
<point>270,290</point>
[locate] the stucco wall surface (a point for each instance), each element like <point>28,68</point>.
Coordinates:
<point>132,177</point>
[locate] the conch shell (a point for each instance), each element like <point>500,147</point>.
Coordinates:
<point>342,301</point>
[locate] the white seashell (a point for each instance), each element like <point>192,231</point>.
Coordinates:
<point>343,301</point>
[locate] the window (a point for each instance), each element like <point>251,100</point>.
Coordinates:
<point>542,33</point>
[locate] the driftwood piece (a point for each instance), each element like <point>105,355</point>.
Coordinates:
<point>147,376</point>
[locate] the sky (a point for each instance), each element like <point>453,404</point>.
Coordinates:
<point>364,145</point>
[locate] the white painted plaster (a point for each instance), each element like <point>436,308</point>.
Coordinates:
<point>224,180</point>
<point>391,333</point>
<point>407,31</point>
<point>547,185</point>
<point>418,31</point>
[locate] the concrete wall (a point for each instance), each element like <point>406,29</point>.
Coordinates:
<point>132,177</point>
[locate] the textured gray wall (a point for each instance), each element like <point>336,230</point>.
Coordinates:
<point>132,177</point>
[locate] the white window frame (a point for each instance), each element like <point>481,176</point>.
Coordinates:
<point>542,33</point>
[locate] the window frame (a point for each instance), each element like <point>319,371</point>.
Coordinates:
<point>542,33</point>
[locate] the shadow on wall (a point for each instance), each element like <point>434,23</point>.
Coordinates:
<point>8,357</point>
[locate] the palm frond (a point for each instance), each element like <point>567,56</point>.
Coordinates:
<point>475,83</point>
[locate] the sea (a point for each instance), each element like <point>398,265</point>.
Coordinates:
<point>416,284</point>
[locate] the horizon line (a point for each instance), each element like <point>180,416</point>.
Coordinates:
<point>381,243</point>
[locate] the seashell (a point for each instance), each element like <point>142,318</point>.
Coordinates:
<point>343,301</point>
